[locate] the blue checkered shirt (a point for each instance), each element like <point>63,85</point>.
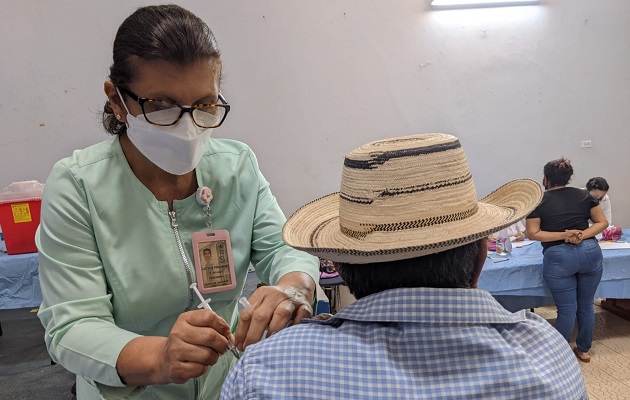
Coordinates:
<point>417,343</point>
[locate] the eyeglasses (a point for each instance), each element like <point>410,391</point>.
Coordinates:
<point>165,113</point>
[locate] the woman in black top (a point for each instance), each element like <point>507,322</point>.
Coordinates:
<point>572,261</point>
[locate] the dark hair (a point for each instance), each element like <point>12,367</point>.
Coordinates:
<point>166,32</point>
<point>558,172</point>
<point>448,269</point>
<point>597,183</point>
<point>208,250</point>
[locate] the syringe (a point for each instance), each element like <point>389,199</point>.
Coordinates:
<point>245,304</point>
<point>204,304</point>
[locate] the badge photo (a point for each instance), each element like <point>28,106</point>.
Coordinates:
<point>214,265</point>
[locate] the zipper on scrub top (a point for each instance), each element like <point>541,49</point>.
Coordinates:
<point>191,294</point>
<point>189,275</point>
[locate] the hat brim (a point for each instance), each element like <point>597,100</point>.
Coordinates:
<point>315,228</point>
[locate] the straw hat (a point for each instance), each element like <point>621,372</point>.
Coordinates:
<point>402,198</point>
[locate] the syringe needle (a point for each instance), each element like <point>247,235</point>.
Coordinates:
<point>204,304</point>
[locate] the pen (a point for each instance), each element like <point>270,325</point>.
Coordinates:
<point>204,304</point>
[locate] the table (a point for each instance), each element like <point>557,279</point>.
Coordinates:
<point>20,288</point>
<point>518,283</point>
<point>19,281</point>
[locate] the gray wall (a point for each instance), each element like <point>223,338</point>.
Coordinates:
<point>310,80</point>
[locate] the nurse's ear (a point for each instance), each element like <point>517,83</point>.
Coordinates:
<point>115,102</point>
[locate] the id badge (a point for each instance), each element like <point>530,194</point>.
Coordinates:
<point>212,251</point>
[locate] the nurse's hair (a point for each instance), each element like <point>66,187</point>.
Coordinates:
<point>558,172</point>
<point>597,183</point>
<point>166,32</point>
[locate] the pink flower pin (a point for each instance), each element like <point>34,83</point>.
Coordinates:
<point>204,195</point>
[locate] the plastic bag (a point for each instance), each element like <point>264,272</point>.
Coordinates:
<point>611,234</point>
<point>22,191</point>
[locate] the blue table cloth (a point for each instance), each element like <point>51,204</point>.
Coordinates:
<point>19,281</point>
<point>517,283</point>
<point>20,288</point>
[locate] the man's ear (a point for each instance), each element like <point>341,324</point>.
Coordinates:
<point>114,101</point>
<point>483,252</point>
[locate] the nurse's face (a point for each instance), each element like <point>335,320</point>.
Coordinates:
<point>184,85</point>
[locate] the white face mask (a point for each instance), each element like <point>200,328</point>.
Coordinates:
<point>176,149</point>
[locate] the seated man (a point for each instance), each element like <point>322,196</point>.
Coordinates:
<point>515,232</point>
<point>408,236</point>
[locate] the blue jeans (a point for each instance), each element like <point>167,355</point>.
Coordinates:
<point>572,273</point>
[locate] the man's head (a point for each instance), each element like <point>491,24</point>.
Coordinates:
<point>408,203</point>
<point>207,254</point>
<point>455,268</point>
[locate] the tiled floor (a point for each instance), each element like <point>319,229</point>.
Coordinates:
<point>607,376</point>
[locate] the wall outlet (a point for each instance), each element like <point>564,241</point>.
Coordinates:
<point>587,144</point>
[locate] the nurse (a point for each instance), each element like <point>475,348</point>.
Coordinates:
<point>124,224</point>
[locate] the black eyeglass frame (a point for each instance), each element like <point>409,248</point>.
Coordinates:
<point>142,100</point>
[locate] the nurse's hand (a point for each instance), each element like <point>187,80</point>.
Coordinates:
<point>196,341</point>
<point>275,308</point>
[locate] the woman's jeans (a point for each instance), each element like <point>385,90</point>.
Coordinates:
<point>572,273</point>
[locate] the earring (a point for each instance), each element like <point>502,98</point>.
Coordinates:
<point>118,117</point>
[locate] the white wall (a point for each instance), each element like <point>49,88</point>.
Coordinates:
<point>310,80</point>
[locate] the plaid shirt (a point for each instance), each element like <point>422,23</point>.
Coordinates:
<point>418,343</point>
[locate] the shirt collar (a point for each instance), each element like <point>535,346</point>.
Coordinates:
<point>429,306</point>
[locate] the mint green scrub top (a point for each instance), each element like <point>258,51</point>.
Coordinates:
<point>111,268</point>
